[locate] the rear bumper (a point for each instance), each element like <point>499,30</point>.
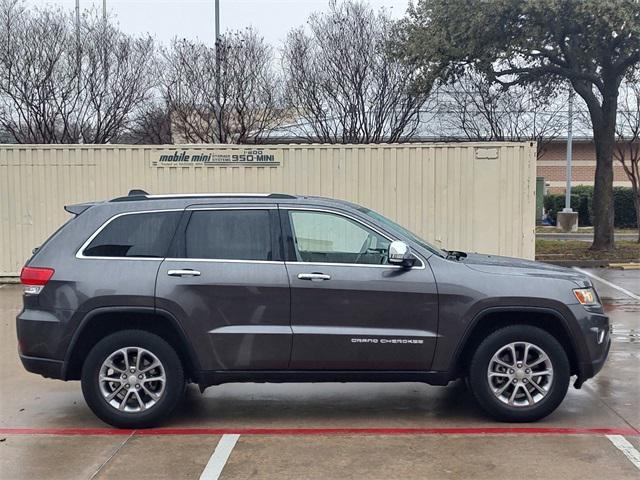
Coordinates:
<point>42,341</point>
<point>43,366</point>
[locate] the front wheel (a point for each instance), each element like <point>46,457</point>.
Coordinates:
<point>519,373</point>
<point>132,379</point>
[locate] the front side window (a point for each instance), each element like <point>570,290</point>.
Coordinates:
<point>330,238</point>
<point>229,235</point>
<point>135,235</point>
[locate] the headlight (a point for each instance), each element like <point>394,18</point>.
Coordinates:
<point>586,296</point>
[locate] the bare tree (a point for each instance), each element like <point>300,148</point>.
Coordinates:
<point>54,89</point>
<point>627,149</point>
<point>116,78</point>
<point>344,84</point>
<point>482,110</point>
<point>239,102</point>
<point>38,74</point>
<point>151,125</point>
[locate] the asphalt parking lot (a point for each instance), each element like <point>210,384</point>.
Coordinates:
<point>327,431</point>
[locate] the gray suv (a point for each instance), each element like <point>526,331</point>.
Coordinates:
<point>140,294</point>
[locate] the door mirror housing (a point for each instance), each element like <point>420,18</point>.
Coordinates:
<point>400,254</point>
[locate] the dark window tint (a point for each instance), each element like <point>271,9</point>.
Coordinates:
<point>229,235</point>
<point>135,235</point>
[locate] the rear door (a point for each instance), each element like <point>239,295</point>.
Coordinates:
<point>226,281</point>
<point>351,309</point>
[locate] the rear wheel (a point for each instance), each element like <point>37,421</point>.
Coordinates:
<point>132,379</point>
<point>519,373</point>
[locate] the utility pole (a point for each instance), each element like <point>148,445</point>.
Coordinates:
<point>567,218</point>
<point>217,24</point>
<point>78,54</point>
<point>567,199</point>
<point>78,34</point>
<point>217,59</point>
<point>105,53</point>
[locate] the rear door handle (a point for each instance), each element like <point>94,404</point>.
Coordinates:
<point>314,276</point>
<point>187,272</point>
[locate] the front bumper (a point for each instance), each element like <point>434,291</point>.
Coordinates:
<point>595,332</point>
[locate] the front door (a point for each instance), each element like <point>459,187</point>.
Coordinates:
<point>350,309</point>
<point>226,281</point>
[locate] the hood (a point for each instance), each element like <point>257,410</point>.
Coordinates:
<point>498,265</point>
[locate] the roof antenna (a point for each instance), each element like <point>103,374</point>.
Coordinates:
<point>135,192</point>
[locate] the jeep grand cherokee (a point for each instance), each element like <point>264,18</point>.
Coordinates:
<point>140,294</point>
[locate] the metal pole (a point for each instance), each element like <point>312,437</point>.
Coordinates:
<point>567,200</point>
<point>78,56</point>
<point>78,30</point>
<point>217,59</point>
<point>217,27</point>
<point>78,59</point>
<point>105,72</point>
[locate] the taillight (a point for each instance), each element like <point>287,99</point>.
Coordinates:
<point>34,278</point>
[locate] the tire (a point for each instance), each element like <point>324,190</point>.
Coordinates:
<point>144,403</point>
<point>495,352</point>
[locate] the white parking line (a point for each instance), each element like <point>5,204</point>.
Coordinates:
<point>625,447</point>
<point>608,283</point>
<point>219,457</point>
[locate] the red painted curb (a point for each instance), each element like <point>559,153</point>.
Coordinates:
<point>325,431</point>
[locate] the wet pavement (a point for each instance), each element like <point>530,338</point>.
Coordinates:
<point>404,430</point>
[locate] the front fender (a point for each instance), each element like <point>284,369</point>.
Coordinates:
<point>449,351</point>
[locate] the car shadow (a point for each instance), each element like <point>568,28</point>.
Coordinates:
<point>331,404</point>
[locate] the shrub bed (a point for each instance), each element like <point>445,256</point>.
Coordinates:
<point>582,202</point>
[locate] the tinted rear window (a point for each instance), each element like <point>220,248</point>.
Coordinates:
<point>229,235</point>
<point>135,235</point>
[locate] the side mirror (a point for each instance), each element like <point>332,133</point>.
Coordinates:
<point>400,254</point>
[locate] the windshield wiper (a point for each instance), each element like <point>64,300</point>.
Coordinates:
<point>455,255</point>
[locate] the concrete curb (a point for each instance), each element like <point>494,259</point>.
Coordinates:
<point>582,236</point>
<point>578,263</point>
<point>625,266</point>
<point>588,263</point>
<point>9,280</point>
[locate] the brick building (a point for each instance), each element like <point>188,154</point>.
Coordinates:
<point>552,165</point>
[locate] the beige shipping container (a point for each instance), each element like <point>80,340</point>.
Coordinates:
<point>464,196</point>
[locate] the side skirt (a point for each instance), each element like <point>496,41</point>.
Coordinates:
<point>218,377</point>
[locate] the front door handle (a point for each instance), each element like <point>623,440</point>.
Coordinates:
<point>314,276</point>
<point>187,272</point>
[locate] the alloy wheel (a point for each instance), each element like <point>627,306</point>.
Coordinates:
<point>520,374</point>
<point>132,379</point>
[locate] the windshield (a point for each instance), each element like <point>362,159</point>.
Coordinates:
<point>403,231</point>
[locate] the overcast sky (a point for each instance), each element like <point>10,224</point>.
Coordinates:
<point>165,19</point>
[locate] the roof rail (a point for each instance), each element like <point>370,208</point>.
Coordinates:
<point>142,195</point>
<point>136,192</point>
